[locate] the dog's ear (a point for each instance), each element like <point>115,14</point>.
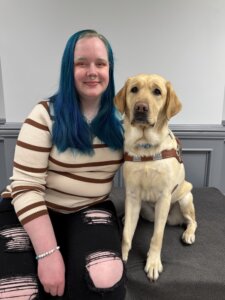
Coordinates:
<point>120,99</point>
<point>173,104</point>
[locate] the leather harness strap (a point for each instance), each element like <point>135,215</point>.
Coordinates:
<point>158,156</point>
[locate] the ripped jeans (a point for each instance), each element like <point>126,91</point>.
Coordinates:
<point>90,242</point>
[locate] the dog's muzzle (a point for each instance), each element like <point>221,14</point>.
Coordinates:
<point>140,114</point>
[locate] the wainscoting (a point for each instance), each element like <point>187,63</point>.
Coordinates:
<point>203,154</point>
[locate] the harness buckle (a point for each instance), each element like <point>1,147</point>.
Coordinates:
<point>157,156</point>
<point>179,153</point>
<point>136,158</point>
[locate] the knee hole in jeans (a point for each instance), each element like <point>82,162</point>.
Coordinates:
<point>105,269</point>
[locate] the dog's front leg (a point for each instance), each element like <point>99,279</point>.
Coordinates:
<point>132,211</point>
<point>154,265</point>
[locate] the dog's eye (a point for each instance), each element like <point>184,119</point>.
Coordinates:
<point>156,92</point>
<point>134,89</point>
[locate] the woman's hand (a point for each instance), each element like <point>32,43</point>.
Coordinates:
<point>51,273</point>
<point>51,268</point>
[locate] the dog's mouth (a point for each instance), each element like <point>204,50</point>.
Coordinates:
<point>141,118</point>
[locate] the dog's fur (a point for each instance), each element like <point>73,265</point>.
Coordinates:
<point>156,189</point>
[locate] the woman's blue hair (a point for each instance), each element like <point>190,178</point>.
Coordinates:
<point>70,130</point>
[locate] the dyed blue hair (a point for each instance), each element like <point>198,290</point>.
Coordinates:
<point>70,130</point>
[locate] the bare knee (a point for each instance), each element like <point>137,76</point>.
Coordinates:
<point>105,269</point>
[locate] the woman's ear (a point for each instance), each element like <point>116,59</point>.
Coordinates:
<point>173,104</point>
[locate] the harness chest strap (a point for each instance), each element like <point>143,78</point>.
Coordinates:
<point>158,156</point>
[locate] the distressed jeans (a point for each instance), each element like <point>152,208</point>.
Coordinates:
<point>86,238</point>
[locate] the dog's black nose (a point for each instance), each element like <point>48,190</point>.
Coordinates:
<point>141,111</point>
<point>141,107</point>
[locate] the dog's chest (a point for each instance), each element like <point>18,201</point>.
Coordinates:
<point>151,179</point>
<point>145,172</point>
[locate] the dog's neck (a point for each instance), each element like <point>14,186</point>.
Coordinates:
<point>141,141</point>
<point>143,144</point>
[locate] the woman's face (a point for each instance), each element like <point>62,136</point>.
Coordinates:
<point>91,72</point>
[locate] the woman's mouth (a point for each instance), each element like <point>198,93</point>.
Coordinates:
<point>91,83</point>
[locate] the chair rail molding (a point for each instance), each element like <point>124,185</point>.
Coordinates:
<point>203,150</point>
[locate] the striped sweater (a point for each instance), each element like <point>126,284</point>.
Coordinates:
<point>65,182</point>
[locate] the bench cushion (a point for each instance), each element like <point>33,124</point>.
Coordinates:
<point>190,272</point>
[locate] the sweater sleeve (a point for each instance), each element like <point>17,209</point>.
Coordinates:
<point>31,164</point>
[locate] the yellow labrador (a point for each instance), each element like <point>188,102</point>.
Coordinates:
<point>153,171</point>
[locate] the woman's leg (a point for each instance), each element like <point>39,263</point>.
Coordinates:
<point>92,253</point>
<point>18,279</point>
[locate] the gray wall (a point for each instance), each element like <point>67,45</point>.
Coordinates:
<point>2,104</point>
<point>203,154</point>
<point>181,40</point>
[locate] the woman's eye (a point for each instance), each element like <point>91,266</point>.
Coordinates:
<point>134,89</point>
<point>80,64</point>
<point>157,92</point>
<point>100,65</point>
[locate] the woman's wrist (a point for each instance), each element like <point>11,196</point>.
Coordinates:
<point>47,253</point>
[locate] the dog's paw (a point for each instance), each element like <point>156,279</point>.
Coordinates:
<point>153,268</point>
<point>188,238</point>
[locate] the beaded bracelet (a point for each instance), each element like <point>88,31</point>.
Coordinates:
<point>42,255</point>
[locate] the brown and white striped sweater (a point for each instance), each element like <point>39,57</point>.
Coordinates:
<point>65,182</point>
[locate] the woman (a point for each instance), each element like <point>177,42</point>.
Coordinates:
<point>66,156</point>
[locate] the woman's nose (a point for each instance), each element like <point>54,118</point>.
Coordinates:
<point>92,70</point>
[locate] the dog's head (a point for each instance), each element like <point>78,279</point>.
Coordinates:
<point>147,100</point>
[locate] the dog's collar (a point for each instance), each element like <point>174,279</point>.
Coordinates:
<point>145,146</point>
<point>158,156</point>
<point>148,145</point>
